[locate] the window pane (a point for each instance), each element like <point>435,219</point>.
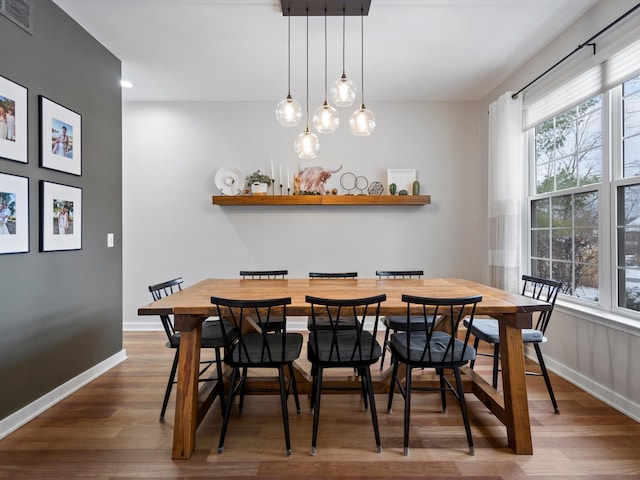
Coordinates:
<point>586,282</point>
<point>540,243</point>
<point>561,244</point>
<point>562,211</point>
<point>590,167</point>
<point>586,246</point>
<point>629,205</point>
<point>566,173</point>
<point>540,268</point>
<point>545,182</point>
<point>562,272</point>
<point>566,135</point>
<point>589,129</point>
<point>631,86</point>
<point>540,213</point>
<point>586,209</point>
<point>630,243</point>
<point>545,140</point>
<point>631,118</point>
<point>631,156</point>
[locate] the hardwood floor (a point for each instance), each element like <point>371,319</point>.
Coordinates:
<point>109,430</point>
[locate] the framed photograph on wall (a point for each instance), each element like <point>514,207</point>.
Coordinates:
<point>14,214</point>
<point>13,121</point>
<point>60,217</point>
<point>60,137</point>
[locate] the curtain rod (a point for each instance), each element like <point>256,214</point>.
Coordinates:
<point>588,43</point>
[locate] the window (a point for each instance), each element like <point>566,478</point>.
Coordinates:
<point>564,211</point>
<point>585,199</point>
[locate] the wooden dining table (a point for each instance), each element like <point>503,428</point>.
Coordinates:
<point>191,306</point>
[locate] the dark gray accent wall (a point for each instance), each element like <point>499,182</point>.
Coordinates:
<point>61,312</point>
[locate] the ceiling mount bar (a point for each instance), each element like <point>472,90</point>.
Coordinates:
<point>316,8</point>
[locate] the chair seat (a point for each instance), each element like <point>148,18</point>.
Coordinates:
<point>253,351</point>
<point>212,336</point>
<point>439,342</point>
<point>342,351</point>
<point>489,331</point>
<point>399,322</point>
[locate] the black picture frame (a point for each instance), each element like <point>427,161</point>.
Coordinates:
<point>60,217</point>
<point>60,137</point>
<point>14,139</point>
<point>14,213</point>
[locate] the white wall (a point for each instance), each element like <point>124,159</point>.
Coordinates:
<point>171,152</point>
<point>589,348</point>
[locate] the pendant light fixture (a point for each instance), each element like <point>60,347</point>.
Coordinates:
<point>343,90</point>
<point>288,111</point>
<point>325,118</point>
<point>306,144</point>
<point>362,122</point>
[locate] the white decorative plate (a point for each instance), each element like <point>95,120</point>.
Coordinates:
<point>230,180</point>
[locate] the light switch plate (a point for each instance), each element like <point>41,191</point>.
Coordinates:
<point>109,240</point>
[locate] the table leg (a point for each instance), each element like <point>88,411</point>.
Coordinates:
<point>516,406</point>
<point>186,414</point>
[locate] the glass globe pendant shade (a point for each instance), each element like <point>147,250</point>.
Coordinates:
<point>344,91</point>
<point>325,119</point>
<point>289,112</point>
<point>307,145</point>
<point>362,122</point>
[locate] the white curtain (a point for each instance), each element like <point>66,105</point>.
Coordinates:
<point>506,192</point>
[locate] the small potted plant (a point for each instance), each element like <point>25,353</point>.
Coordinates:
<point>258,182</point>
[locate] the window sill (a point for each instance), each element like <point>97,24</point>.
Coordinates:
<point>612,320</point>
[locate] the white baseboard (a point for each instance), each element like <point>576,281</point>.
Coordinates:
<point>613,399</point>
<point>29,412</point>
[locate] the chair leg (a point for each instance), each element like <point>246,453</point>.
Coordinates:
<point>463,407</point>
<point>384,347</point>
<point>167,392</point>
<point>227,410</point>
<point>545,374</point>
<point>476,342</point>
<point>316,410</point>
<point>285,411</point>
<point>294,386</point>
<point>392,386</point>
<point>407,410</point>
<point>314,380</point>
<point>363,382</point>
<point>220,375</point>
<point>243,387</point>
<point>372,403</point>
<point>443,390</point>
<point>496,364</point>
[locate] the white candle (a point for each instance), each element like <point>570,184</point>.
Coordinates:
<point>288,179</point>
<point>272,175</point>
<point>280,168</point>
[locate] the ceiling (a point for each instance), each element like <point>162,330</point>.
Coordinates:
<point>236,50</point>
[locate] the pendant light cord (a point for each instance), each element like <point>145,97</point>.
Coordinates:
<point>307,68</point>
<point>325,55</point>
<point>362,57</point>
<point>343,40</point>
<point>289,53</point>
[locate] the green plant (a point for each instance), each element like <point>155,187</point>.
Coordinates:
<point>257,177</point>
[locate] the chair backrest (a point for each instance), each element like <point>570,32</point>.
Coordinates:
<point>333,275</point>
<point>264,314</point>
<point>399,273</point>
<point>541,289</point>
<point>329,312</point>
<point>263,274</point>
<point>162,290</point>
<point>449,310</point>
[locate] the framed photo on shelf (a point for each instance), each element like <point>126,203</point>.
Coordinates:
<point>60,217</point>
<point>14,214</point>
<point>60,137</point>
<point>403,179</point>
<point>13,121</point>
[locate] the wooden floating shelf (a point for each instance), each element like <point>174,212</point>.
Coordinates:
<point>322,200</point>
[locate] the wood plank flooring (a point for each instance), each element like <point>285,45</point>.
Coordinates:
<point>109,430</point>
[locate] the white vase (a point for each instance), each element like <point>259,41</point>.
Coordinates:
<point>259,188</point>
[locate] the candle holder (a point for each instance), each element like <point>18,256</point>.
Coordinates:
<point>288,191</point>
<point>281,190</point>
<point>273,182</point>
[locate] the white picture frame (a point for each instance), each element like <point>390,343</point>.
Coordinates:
<point>13,131</point>
<point>60,217</point>
<point>14,214</point>
<point>403,178</point>
<point>60,137</point>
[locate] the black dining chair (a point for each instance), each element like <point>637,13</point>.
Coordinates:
<point>432,348</point>
<point>397,323</point>
<point>330,275</point>
<point>259,348</point>
<point>336,347</point>
<point>322,322</point>
<point>488,330</point>
<point>263,274</point>
<point>212,338</point>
